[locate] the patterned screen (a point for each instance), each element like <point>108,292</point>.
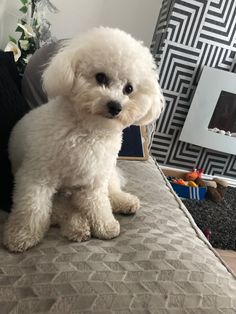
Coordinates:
<point>191,34</point>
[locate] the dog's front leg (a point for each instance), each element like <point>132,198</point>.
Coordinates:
<point>122,202</point>
<point>74,225</point>
<point>94,205</point>
<point>30,215</point>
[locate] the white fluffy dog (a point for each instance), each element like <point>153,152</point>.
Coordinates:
<point>98,84</point>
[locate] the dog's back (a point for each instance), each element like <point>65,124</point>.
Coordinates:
<point>31,133</point>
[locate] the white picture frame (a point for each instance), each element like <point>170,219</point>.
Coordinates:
<point>195,130</point>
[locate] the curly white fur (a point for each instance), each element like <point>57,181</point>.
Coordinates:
<point>72,142</point>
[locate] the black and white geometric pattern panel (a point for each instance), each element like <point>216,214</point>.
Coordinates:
<point>189,35</point>
<point>160,30</point>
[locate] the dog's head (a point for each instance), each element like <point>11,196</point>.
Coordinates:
<point>108,75</point>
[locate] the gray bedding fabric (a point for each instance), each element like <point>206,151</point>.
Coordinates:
<point>159,264</point>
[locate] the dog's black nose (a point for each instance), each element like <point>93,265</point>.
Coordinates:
<point>114,108</point>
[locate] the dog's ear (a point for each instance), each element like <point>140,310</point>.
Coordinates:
<point>156,106</point>
<point>58,78</point>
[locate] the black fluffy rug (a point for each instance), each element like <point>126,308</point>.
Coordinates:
<point>219,218</point>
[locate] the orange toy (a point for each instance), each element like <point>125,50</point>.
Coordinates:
<point>181,181</point>
<point>193,175</point>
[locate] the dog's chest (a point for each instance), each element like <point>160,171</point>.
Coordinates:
<point>87,159</point>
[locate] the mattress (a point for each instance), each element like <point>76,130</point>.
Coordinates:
<point>160,263</point>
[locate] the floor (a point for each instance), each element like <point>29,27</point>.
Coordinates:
<point>229,257</point>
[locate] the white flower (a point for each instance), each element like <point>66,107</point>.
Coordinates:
<point>28,30</point>
<point>11,46</point>
<point>24,44</point>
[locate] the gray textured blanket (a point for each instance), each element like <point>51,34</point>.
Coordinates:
<point>159,264</point>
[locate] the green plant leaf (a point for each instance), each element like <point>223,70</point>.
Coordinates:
<point>12,39</point>
<point>24,9</point>
<point>24,2</point>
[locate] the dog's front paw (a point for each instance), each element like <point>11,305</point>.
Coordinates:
<point>77,235</point>
<point>106,230</point>
<point>19,239</point>
<point>124,203</point>
<point>76,229</point>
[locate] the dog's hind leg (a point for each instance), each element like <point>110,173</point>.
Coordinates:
<point>121,202</point>
<point>30,215</point>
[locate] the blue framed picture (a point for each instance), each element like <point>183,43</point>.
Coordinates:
<point>134,146</point>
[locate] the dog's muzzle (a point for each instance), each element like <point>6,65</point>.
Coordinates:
<point>114,108</point>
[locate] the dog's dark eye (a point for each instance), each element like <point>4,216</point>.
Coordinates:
<point>102,79</point>
<point>128,89</point>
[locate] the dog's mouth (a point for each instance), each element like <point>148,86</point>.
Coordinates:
<point>111,117</point>
<point>110,110</point>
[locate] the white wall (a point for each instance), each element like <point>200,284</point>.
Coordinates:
<point>137,17</point>
<point>8,18</point>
